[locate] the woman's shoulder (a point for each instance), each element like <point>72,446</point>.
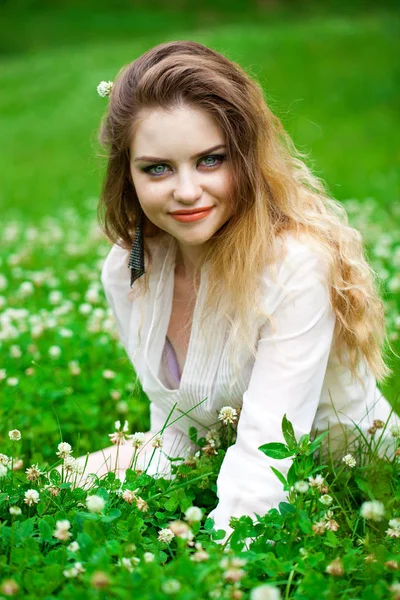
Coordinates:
<point>294,248</point>
<point>302,260</point>
<point>116,263</point>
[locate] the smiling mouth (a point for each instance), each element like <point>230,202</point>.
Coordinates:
<point>191,212</point>
<point>192,216</point>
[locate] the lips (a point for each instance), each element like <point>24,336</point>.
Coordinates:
<point>192,216</point>
<point>191,212</point>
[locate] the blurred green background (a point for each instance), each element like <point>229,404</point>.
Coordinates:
<point>330,71</point>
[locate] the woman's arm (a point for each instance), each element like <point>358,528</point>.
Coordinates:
<point>287,377</point>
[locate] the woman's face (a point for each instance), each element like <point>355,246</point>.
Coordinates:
<point>178,162</point>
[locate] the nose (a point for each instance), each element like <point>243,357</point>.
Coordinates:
<point>187,188</point>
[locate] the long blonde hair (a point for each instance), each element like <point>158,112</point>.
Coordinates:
<point>274,192</point>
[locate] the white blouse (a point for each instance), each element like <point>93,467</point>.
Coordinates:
<point>295,372</point>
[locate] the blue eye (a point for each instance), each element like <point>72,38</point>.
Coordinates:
<point>217,160</point>
<point>148,170</point>
<point>217,157</point>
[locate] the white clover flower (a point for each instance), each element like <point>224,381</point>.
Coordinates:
<point>70,573</point>
<point>122,407</point>
<point>117,425</point>
<point>108,374</point>
<point>157,441</point>
<point>120,436</point>
<point>227,414</point>
<point>13,381</point>
<point>74,367</point>
<point>95,503</point>
<point>115,394</point>
<point>138,439</point>
<point>69,463</point>
<point>373,510</point>
<point>77,467</point>
<point>335,568</point>
<point>92,295</point>
<point>26,288</point>
<point>55,351</point>
<point>104,88</point>
<point>170,586</point>
<point>14,435</point>
<point>165,535</point>
<point>181,529</point>
<point>37,331</point>
<point>3,374</point>
<point>5,460</point>
<point>395,431</point>
<point>393,532</point>
<point>15,510</point>
<point>15,351</point>
<point>33,473</point>
<point>148,557</point>
<point>349,460</point>
<point>317,481</point>
<point>394,528</point>
<point>50,323</point>
<point>126,563</point>
<point>393,284</point>
<point>265,592</point>
<point>142,504</point>
<point>85,308</point>
<point>326,499</point>
<point>301,486</point>
<point>319,527</point>
<point>193,514</point>
<point>73,547</point>
<point>64,449</point>
<point>395,588</point>
<point>31,497</point>
<point>395,523</point>
<point>55,297</point>
<point>65,333</point>
<point>200,555</point>
<point>78,566</point>
<point>129,496</point>
<point>74,571</point>
<point>3,470</point>
<point>62,532</point>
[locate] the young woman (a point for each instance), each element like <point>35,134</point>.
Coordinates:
<point>233,278</point>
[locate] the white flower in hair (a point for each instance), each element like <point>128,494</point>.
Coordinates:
<point>104,88</point>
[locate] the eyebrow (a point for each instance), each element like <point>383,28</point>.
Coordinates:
<point>155,159</point>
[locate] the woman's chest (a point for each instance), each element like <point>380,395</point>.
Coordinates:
<point>181,320</point>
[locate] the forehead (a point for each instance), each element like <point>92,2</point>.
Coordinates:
<point>182,128</point>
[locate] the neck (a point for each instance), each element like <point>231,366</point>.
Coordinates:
<point>186,261</point>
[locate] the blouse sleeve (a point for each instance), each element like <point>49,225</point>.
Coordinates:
<point>115,278</point>
<point>287,377</point>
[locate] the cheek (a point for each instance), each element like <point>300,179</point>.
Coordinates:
<point>149,195</point>
<point>226,188</point>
